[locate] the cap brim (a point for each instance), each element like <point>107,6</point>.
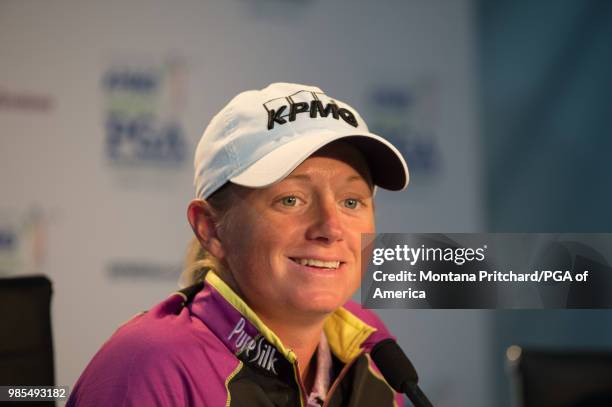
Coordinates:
<point>387,165</point>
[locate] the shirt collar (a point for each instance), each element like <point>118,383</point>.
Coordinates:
<point>238,326</point>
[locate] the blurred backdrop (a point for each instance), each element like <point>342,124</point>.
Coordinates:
<point>502,109</point>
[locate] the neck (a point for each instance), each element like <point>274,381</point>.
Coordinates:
<point>303,339</point>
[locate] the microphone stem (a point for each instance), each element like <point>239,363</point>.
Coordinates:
<point>416,395</point>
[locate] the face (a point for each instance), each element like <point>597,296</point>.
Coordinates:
<point>294,248</point>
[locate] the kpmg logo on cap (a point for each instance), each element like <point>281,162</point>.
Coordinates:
<point>314,104</point>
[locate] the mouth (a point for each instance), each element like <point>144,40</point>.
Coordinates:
<point>318,264</point>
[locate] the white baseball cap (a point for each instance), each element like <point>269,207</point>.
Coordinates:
<point>260,136</point>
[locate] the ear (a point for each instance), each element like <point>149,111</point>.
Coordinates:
<point>202,220</point>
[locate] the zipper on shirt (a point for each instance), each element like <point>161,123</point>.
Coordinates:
<point>336,382</point>
<point>298,379</point>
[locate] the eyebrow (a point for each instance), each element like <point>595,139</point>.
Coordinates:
<point>299,176</point>
<point>352,178</point>
<point>306,177</point>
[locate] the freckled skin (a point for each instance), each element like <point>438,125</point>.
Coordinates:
<point>319,211</point>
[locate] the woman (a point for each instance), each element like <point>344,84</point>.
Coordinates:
<point>284,179</point>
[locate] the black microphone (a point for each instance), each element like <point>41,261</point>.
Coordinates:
<point>398,371</point>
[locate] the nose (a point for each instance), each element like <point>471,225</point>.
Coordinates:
<point>326,224</point>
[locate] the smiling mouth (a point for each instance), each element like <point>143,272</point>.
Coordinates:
<point>317,263</point>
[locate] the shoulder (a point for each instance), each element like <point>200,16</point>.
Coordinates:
<point>366,315</point>
<point>158,356</point>
<point>372,319</point>
<point>166,333</point>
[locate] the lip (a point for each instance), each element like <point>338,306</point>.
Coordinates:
<point>315,257</point>
<point>318,270</point>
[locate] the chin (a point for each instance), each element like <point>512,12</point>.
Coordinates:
<point>319,302</point>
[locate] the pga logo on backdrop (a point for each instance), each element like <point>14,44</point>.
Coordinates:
<point>143,104</point>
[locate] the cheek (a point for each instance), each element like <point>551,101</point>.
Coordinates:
<point>237,240</point>
<point>364,227</point>
<point>253,246</point>
<point>370,223</point>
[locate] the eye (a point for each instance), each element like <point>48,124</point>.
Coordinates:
<point>289,200</point>
<point>351,203</point>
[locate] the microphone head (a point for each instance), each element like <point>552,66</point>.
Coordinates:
<point>394,365</point>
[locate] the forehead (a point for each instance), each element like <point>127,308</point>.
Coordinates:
<point>339,157</point>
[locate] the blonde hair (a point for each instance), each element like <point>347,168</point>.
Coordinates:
<point>197,263</point>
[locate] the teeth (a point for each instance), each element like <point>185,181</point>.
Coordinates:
<point>318,263</point>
